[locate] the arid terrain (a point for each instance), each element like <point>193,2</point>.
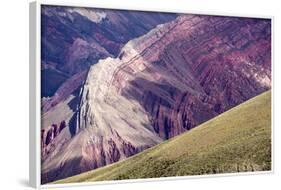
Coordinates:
<point>115,83</point>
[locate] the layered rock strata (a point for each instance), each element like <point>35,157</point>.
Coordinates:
<point>162,84</point>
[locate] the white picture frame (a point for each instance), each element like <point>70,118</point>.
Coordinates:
<point>35,90</point>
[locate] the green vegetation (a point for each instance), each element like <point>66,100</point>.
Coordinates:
<point>238,140</point>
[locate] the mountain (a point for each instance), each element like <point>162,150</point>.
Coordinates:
<point>74,38</point>
<point>238,140</point>
<point>168,81</point>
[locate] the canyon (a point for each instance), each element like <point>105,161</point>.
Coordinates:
<point>159,85</point>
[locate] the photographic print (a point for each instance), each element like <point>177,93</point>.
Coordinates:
<point>136,94</point>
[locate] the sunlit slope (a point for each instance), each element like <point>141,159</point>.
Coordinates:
<point>238,140</point>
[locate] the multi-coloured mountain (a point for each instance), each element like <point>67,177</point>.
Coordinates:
<point>73,39</point>
<point>161,84</point>
<point>227,143</point>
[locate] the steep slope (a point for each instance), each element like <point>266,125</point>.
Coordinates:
<point>162,84</point>
<point>238,140</point>
<point>193,68</point>
<point>73,39</point>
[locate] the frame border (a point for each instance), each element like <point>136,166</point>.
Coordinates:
<point>34,93</point>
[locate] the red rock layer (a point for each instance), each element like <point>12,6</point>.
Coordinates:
<point>164,83</point>
<point>196,69</point>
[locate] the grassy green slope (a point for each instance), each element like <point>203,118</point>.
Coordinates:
<point>238,140</point>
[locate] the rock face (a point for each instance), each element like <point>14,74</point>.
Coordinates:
<point>48,135</point>
<point>64,91</point>
<point>162,84</point>
<point>73,39</point>
<point>185,72</point>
